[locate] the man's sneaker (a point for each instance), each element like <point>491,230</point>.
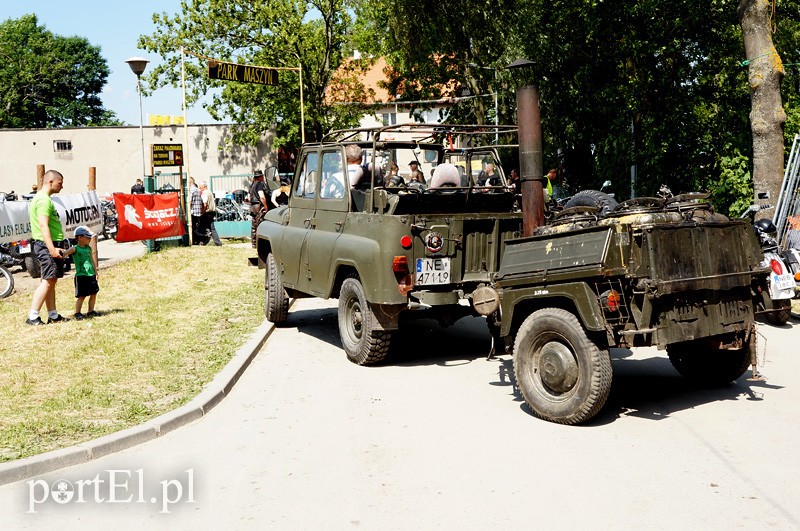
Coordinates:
<point>34,322</point>
<point>57,319</point>
<point>79,316</point>
<point>92,314</point>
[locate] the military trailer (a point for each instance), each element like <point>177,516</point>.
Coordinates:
<point>657,272</point>
<point>665,272</point>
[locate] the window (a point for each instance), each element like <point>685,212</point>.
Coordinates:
<point>389,118</point>
<point>307,182</point>
<point>332,176</point>
<point>62,145</point>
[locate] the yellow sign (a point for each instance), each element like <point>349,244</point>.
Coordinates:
<point>165,119</point>
<point>242,73</point>
<point>167,154</point>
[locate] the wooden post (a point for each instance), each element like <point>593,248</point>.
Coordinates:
<point>39,176</point>
<point>92,178</point>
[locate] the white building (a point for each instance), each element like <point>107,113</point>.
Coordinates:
<point>116,155</point>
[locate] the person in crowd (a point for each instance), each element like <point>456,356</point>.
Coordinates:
<point>280,196</point>
<point>416,173</point>
<point>555,188</point>
<point>514,184</point>
<point>209,214</point>
<point>138,187</point>
<point>47,236</point>
<point>196,204</point>
<point>393,177</point>
<point>394,171</point>
<point>258,203</point>
<point>85,261</point>
<point>355,171</point>
<point>490,176</point>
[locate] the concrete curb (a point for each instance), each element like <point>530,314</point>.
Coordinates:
<point>212,394</point>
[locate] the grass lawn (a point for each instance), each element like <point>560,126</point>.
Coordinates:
<point>168,323</point>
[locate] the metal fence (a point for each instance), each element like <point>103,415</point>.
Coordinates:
<point>787,210</point>
<point>230,192</point>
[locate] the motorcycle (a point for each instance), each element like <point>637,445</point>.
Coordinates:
<point>782,283</point>
<point>110,221</point>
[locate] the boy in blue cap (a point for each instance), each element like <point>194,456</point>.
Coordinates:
<point>85,270</point>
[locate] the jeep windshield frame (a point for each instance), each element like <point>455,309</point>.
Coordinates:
<point>464,145</point>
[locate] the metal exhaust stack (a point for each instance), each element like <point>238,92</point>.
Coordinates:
<point>531,167</point>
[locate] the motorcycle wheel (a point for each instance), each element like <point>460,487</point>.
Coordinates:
<point>6,282</point>
<point>781,313</point>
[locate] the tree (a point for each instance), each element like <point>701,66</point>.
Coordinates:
<point>47,80</point>
<point>654,83</point>
<point>470,43</point>
<point>767,115</point>
<point>277,33</point>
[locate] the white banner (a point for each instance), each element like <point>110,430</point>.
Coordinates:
<point>73,209</point>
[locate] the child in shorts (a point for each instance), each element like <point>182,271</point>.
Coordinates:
<point>85,261</point>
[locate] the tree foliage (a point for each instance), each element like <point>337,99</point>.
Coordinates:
<point>654,83</point>
<point>47,80</point>
<point>277,33</point>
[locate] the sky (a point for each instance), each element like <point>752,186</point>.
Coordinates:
<point>115,27</point>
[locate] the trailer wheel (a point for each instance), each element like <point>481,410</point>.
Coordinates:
<point>32,266</point>
<point>696,361</point>
<point>363,342</point>
<point>782,311</point>
<point>563,376</point>
<point>276,302</point>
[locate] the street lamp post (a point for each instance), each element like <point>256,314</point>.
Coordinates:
<point>494,93</point>
<point>138,66</point>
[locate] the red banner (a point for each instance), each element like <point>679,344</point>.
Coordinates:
<point>147,216</point>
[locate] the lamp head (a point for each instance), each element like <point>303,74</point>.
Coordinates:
<point>138,65</point>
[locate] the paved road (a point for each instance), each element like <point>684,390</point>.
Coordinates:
<point>439,439</point>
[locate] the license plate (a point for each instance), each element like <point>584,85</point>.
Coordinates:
<point>24,249</point>
<point>432,271</point>
<point>783,281</point>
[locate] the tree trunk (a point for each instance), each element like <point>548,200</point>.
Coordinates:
<point>765,72</point>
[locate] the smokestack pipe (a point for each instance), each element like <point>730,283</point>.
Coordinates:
<point>531,166</point>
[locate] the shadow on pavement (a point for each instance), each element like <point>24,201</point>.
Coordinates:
<point>648,388</point>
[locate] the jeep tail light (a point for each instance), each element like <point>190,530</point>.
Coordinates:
<point>776,266</point>
<point>400,264</point>
<point>405,281</point>
<point>797,276</point>
<point>405,243</point>
<point>610,300</point>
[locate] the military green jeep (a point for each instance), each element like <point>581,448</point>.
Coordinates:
<point>416,222</point>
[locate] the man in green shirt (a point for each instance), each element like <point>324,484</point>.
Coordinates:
<point>45,231</point>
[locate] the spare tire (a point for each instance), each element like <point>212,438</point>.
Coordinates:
<point>593,198</point>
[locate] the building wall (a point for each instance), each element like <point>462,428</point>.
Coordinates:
<point>116,153</point>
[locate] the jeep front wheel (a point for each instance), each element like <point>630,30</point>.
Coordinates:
<point>276,302</point>
<point>363,342</point>
<point>563,376</point>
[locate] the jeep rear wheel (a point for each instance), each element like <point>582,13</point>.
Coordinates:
<point>363,342</point>
<point>563,376</point>
<point>32,266</point>
<point>696,361</point>
<point>276,302</point>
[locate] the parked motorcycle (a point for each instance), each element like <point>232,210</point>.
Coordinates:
<point>782,287</point>
<point>110,221</point>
